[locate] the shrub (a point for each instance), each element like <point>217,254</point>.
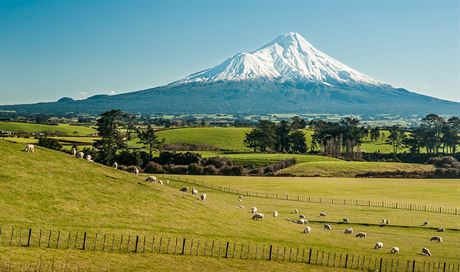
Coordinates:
<point>448,160</point>
<point>131,168</point>
<point>195,169</point>
<point>179,169</point>
<point>210,170</point>
<point>452,173</point>
<point>231,170</point>
<point>122,167</point>
<point>269,170</point>
<point>50,143</point>
<point>153,168</point>
<point>129,158</point>
<point>219,161</point>
<point>178,158</point>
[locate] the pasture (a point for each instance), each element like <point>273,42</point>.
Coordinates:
<point>53,190</point>
<point>63,128</point>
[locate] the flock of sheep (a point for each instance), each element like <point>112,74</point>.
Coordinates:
<point>327,227</point>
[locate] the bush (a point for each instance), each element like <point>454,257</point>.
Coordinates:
<point>50,143</point>
<point>219,161</point>
<point>231,170</point>
<point>179,169</point>
<point>210,170</point>
<point>452,173</point>
<point>178,158</point>
<point>129,158</point>
<point>153,168</point>
<point>269,170</point>
<point>195,169</point>
<point>122,167</point>
<point>131,168</point>
<point>448,160</point>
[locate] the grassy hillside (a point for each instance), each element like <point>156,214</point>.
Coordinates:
<point>258,159</point>
<point>349,168</point>
<point>49,189</point>
<point>64,128</point>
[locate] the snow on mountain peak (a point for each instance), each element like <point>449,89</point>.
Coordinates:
<point>288,57</point>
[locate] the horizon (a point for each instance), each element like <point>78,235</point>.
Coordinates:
<point>76,58</point>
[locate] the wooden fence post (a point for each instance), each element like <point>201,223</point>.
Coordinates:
<point>28,239</point>
<point>346,261</point>
<point>270,253</point>
<point>49,239</point>
<point>12,233</point>
<point>309,257</point>
<point>226,250</point>
<point>137,243</point>
<point>381,264</point>
<point>84,241</point>
<point>183,247</point>
<point>413,266</point>
<point>57,240</point>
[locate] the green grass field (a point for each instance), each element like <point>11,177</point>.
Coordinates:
<point>258,159</point>
<point>349,168</point>
<point>64,128</point>
<point>49,189</point>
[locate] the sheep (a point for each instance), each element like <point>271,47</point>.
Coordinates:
<point>378,245</point>
<point>327,227</point>
<point>425,223</point>
<point>383,221</point>
<point>80,155</point>
<point>387,222</point>
<point>240,198</point>
<point>275,214</point>
<point>241,206</point>
<point>254,210</point>
<point>88,157</point>
<point>307,230</point>
<point>29,148</point>
<point>194,191</point>
<point>348,231</point>
<point>441,230</point>
<point>203,197</point>
<point>436,238</point>
<point>115,165</point>
<point>322,214</point>
<point>296,211</point>
<point>73,151</point>
<point>301,216</point>
<point>167,181</point>
<point>346,221</point>
<point>426,252</point>
<point>301,221</point>
<point>184,189</point>
<point>394,250</point>
<point>361,235</point>
<point>258,216</point>
<point>136,171</point>
<point>151,179</point>
<point>160,182</point>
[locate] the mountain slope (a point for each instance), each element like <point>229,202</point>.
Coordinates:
<point>287,75</point>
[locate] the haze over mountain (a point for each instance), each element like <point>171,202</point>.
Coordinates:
<point>287,75</point>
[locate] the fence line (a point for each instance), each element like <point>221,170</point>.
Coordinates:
<point>324,200</point>
<point>144,244</point>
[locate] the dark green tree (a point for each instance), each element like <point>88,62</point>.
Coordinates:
<point>298,141</point>
<point>298,123</point>
<point>396,138</point>
<point>282,137</point>
<point>111,139</point>
<point>150,140</point>
<point>374,134</point>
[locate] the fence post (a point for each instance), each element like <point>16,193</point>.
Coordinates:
<point>413,266</point>
<point>270,253</point>
<point>137,242</point>
<point>346,261</point>
<point>444,268</point>
<point>226,250</point>
<point>381,264</point>
<point>309,257</point>
<point>28,239</point>
<point>84,241</point>
<point>183,247</point>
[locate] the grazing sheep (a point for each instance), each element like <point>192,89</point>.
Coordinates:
<point>241,206</point>
<point>194,191</point>
<point>301,221</point>
<point>322,214</point>
<point>254,210</point>
<point>258,216</point>
<point>361,235</point>
<point>307,230</point>
<point>327,227</point>
<point>387,222</point>
<point>88,157</point>
<point>441,230</point>
<point>426,252</point>
<point>436,238</point>
<point>275,214</point>
<point>378,245</point>
<point>348,231</point>
<point>151,179</point>
<point>167,181</point>
<point>346,221</point>
<point>136,171</point>
<point>29,148</point>
<point>80,155</point>
<point>426,223</point>
<point>73,151</point>
<point>301,216</point>
<point>240,197</point>
<point>394,250</point>
<point>296,211</point>
<point>115,165</point>
<point>160,182</point>
<point>203,197</point>
<point>184,189</point>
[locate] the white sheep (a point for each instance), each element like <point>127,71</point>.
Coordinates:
<point>275,214</point>
<point>346,221</point>
<point>160,182</point>
<point>394,250</point>
<point>426,251</point>
<point>322,214</point>
<point>88,157</point>
<point>73,151</point>
<point>301,216</point>
<point>254,210</point>
<point>327,227</point>
<point>378,245</point>
<point>258,216</point>
<point>29,148</point>
<point>307,230</point>
<point>203,197</point>
<point>151,179</point>
<point>167,181</point>
<point>80,155</point>
<point>441,230</point>
<point>436,238</point>
<point>194,191</point>
<point>348,231</point>
<point>136,171</point>
<point>241,206</point>
<point>115,165</point>
<point>361,235</point>
<point>302,221</point>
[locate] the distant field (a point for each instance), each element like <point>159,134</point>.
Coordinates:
<point>64,128</point>
<point>258,159</point>
<point>349,168</point>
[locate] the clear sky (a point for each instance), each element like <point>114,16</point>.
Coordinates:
<point>52,49</point>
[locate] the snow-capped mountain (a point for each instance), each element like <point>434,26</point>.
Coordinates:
<point>289,57</point>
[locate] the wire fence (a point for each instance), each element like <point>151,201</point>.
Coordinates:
<point>120,243</point>
<point>325,200</point>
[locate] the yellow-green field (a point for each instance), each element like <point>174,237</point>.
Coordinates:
<point>64,128</point>
<point>53,190</point>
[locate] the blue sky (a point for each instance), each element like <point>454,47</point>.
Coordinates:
<point>52,49</point>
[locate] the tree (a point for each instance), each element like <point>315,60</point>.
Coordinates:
<point>111,139</point>
<point>282,137</point>
<point>374,134</point>
<point>396,138</point>
<point>298,141</point>
<point>252,139</point>
<point>298,123</point>
<point>451,134</point>
<point>149,139</point>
